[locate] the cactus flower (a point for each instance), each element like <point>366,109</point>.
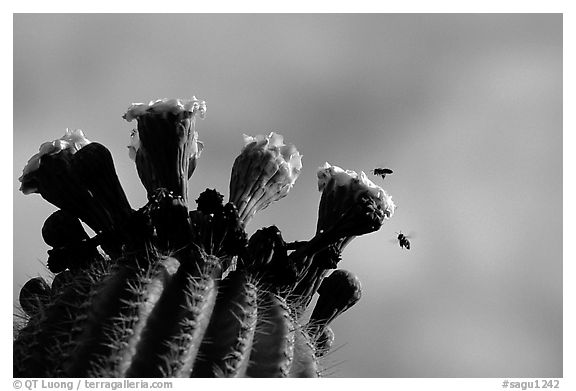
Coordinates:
<point>351,204</point>
<point>264,172</point>
<point>79,177</point>
<point>71,142</point>
<point>50,173</point>
<point>165,145</point>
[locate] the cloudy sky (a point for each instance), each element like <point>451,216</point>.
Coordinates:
<point>466,109</point>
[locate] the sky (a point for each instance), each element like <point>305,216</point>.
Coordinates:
<point>466,109</point>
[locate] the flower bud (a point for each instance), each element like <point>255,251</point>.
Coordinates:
<point>210,201</point>
<point>62,229</point>
<point>324,341</point>
<point>61,281</point>
<point>169,216</point>
<point>74,257</point>
<point>264,172</point>
<point>338,292</point>
<point>263,245</point>
<point>71,246</point>
<point>267,257</point>
<point>216,228</point>
<point>34,295</point>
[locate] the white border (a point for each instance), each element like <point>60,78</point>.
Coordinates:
<point>302,6</point>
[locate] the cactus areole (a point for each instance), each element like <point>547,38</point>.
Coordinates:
<point>165,291</point>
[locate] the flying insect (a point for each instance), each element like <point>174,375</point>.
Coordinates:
<point>403,241</point>
<point>382,172</point>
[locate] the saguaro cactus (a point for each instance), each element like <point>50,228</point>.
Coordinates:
<point>165,291</point>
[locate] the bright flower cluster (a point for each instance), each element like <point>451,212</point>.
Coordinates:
<point>210,242</point>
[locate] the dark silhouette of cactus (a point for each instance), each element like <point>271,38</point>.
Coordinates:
<point>166,292</point>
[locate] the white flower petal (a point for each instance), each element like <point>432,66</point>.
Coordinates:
<point>166,105</point>
<point>358,184</point>
<point>72,141</point>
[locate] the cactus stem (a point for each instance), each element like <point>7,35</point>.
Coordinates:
<point>185,306</point>
<point>274,338</point>
<point>305,362</point>
<point>230,334</point>
<point>107,320</point>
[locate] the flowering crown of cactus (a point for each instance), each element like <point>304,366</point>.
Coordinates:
<point>167,291</point>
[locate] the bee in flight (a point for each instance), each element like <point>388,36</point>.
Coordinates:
<point>382,172</point>
<point>403,241</point>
